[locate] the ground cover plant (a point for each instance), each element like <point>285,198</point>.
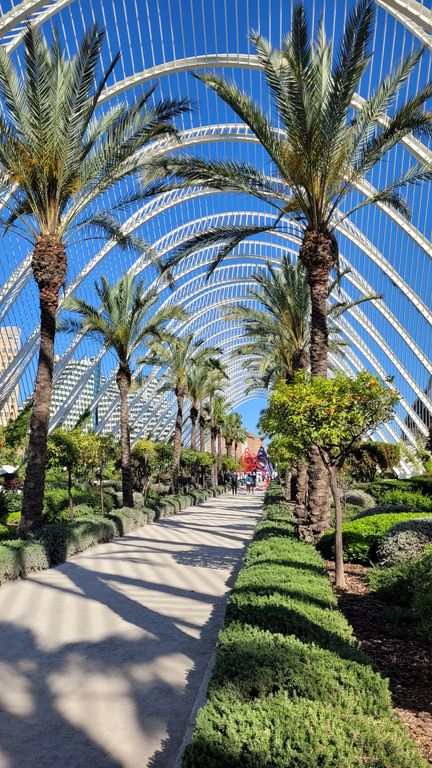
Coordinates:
<point>290,687</point>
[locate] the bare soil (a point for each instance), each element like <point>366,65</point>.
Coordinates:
<point>390,637</point>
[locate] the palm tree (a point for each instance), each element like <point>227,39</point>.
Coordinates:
<point>198,376</point>
<point>220,413</point>
<point>179,356</point>
<point>239,438</point>
<point>320,153</point>
<point>57,157</point>
<point>278,344</point>
<point>127,319</point>
<point>230,429</point>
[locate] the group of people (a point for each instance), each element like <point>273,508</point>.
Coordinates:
<point>249,480</point>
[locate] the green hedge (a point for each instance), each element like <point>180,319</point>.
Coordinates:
<point>290,687</point>
<point>361,536</point>
<point>62,540</point>
<point>18,558</point>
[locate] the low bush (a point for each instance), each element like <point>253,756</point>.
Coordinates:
<point>4,532</point>
<point>387,509</point>
<point>361,537</point>
<point>290,687</point>
<point>404,541</point>
<point>422,483</point>
<point>378,488</point>
<point>10,502</point>
<point>127,519</point>
<point>408,499</point>
<point>274,495</point>
<point>83,510</point>
<point>254,662</point>
<point>359,498</point>
<point>422,594</point>
<point>61,540</point>
<point>393,585</point>
<point>18,558</point>
<point>56,503</point>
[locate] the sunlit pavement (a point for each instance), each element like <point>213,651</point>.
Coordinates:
<point>101,659</point>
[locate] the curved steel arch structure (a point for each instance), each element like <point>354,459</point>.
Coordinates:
<point>165,40</point>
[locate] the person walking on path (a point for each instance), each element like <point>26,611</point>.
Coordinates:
<point>234,482</point>
<point>249,483</point>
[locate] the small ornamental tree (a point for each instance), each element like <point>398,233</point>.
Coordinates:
<point>64,453</point>
<point>334,415</point>
<point>144,464</point>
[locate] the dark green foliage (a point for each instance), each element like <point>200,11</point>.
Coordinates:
<point>61,540</point>
<point>362,464</point>
<point>378,488</point>
<point>56,503</point>
<point>127,519</point>
<point>254,663</point>
<point>422,483</point>
<point>409,499</point>
<point>422,603</point>
<point>361,537</point>
<point>18,558</point>
<point>4,532</point>
<point>394,585</point>
<point>10,501</point>
<point>274,495</point>
<point>274,732</point>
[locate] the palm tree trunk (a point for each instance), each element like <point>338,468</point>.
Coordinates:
<point>193,417</point>
<point>219,456</point>
<point>177,442</point>
<point>318,253</point>
<point>301,491</point>
<point>123,382</point>
<point>235,450</point>
<point>49,270</point>
<point>228,444</point>
<point>213,439</point>
<point>201,428</point>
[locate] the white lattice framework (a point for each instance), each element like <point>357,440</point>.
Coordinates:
<point>166,40</point>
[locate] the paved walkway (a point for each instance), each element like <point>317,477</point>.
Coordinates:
<point>101,659</point>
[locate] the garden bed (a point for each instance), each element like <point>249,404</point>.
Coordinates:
<point>389,635</point>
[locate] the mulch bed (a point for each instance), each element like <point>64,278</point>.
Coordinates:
<point>391,639</point>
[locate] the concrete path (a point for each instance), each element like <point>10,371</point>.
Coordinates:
<point>102,659</point>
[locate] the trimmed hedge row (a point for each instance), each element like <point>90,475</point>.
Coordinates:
<point>361,536</point>
<point>290,687</point>
<point>58,541</point>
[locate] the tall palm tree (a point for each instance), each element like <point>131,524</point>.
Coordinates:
<point>230,429</point>
<point>127,319</point>
<point>320,153</point>
<point>278,338</point>
<point>198,377</point>
<point>58,155</point>
<point>179,355</point>
<point>214,386</point>
<point>240,437</point>
<point>220,413</point>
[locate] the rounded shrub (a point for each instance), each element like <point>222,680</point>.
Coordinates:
<point>404,541</point>
<point>394,584</point>
<point>361,537</point>
<point>359,498</point>
<point>13,518</point>
<point>61,540</point>
<point>127,519</point>
<point>409,499</point>
<point>253,663</point>
<point>4,532</point>
<point>295,734</point>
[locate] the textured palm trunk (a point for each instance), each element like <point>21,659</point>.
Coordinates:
<point>339,563</point>
<point>318,253</point>
<point>123,382</point>
<point>219,456</point>
<point>201,428</point>
<point>49,270</point>
<point>213,439</point>
<point>228,444</point>
<point>236,450</point>
<point>178,429</point>
<point>287,483</point>
<point>301,487</point>
<point>193,417</point>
